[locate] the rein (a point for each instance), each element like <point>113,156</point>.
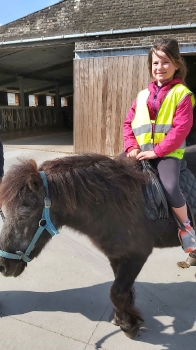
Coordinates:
<point>44,224</point>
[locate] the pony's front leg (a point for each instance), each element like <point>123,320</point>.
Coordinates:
<point>122,293</point>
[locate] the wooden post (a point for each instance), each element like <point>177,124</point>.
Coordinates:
<point>57,104</point>
<point>22,100</point>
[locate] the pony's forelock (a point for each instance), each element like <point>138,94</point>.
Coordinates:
<point>15,179</point>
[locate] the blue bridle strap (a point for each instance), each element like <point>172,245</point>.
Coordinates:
<point>44,224</point>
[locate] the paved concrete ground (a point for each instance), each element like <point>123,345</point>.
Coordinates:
<point>61,301</point>
<point>61,142</point>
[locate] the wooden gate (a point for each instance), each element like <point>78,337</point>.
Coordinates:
<point>104,89</point>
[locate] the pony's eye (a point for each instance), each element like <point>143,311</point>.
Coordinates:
<point>23,214</point>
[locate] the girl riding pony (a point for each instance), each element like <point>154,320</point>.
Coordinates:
<point>158,123</point>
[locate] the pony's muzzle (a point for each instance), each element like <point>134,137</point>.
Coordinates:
<point>11,268</point>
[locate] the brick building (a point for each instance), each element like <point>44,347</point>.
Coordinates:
<point>102,46</point>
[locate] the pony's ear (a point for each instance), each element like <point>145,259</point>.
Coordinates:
<point>35,182</point>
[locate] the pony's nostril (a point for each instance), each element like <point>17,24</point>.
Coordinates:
<point>2,269</point>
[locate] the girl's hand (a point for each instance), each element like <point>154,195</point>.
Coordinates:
<point>146,155</point>
<point>133,153</point>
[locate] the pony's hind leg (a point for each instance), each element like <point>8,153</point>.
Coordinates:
<point>122,293</point>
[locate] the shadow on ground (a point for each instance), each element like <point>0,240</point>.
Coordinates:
<point>169,309</point>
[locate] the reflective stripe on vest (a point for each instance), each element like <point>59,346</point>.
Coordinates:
<point>142,126</point>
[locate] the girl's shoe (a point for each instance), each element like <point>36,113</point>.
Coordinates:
<point>187,239</point>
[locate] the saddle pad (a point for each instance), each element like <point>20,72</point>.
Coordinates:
<point>156,206</point>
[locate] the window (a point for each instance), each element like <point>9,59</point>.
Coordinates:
<point>49,101</point>
<point>33,100</point>
<point>64,101</point>
<point>13,99</point>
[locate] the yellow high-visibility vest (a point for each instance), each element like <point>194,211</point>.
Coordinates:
<point>142,126</point>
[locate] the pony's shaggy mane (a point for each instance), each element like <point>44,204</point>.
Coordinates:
<point>92,179</point>
<point>88,180</point>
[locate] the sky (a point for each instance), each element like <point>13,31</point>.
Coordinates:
<point>14,9</point>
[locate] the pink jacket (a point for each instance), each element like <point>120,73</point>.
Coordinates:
<point>182,121</point>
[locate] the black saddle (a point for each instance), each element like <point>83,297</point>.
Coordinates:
<point>156,205</point>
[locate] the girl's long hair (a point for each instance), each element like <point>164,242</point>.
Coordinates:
<point>171,49</point>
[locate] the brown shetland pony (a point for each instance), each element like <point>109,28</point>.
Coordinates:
<point>97,196</point>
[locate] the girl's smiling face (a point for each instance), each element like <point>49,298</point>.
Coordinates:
<point>163,69</point>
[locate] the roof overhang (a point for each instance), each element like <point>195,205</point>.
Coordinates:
<point>42,67</point>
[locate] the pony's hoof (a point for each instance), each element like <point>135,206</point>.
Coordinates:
<point>112,319</point>
<point>131,332</point>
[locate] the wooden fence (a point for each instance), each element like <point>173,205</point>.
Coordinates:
<point>104,89</point>
<point>17,118</point>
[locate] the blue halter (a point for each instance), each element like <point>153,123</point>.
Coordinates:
<point>44,224</point>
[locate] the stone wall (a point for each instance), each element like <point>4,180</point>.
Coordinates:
<point>185,36</point>
<point>80,16</point>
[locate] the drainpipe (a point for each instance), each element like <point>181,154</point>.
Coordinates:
<point>97,34</point>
